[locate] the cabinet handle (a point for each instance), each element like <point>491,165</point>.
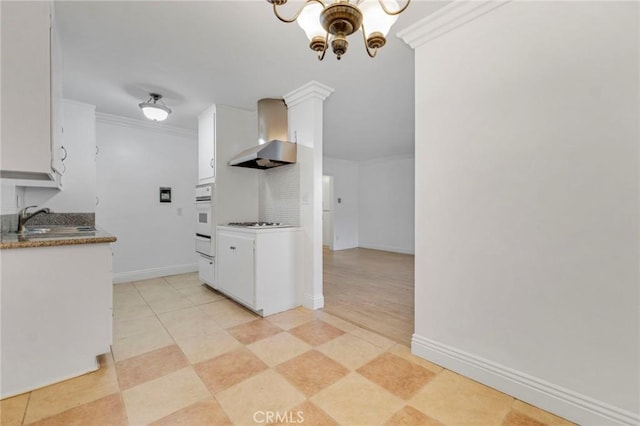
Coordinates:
<point>232,247</point>
<point>64,157</point>
<point>211,163</point>
<point>97,150</point>
<point>97,201</point>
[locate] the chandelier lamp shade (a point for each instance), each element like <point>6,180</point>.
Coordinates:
<point>154,109</point>
<point>327,22</point>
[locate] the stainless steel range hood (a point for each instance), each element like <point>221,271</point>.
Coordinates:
<point>273,149</point>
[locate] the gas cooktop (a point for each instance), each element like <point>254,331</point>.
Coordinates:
<point>259,224</point>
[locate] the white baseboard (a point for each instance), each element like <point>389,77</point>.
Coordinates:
<point>548,396</point>
<point>312,301</point>
<point>337,247</point>
<point>145,274</point>
<point>403,250</point>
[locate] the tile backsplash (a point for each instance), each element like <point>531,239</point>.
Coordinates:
<point>280,195</point>
<point>9,222</point>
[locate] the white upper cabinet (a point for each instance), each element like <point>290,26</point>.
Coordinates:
<point>58,150</point>
<point>79,165</point>
<point>30,92</point>
<point>207,145</point>
<point>77,179</point>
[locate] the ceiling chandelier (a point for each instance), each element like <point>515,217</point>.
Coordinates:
<point>153,110</point>
<point>331,21</point>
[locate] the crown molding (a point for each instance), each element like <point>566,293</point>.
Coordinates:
<point>447,19</point>
<point>311,90</point>
<point>117,120</point>
<point>78,103</point>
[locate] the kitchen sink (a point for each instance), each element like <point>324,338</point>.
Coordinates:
<point>57,231</point>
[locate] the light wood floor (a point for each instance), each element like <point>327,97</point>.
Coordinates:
<point>372,289</point>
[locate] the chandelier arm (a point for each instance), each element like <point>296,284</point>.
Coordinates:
<point>390,12</point>
<point>366,46</point>
<point>326,46</point>
<point>293,19</point>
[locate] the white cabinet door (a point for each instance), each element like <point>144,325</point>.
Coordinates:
<point>236,266</point>
<point>56,313</point>
<point>26,88</point>
<point>206,145</point>
<point>79,140</point>
<point>58,151</point>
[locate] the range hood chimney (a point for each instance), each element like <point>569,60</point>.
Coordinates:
<point>273,149</point>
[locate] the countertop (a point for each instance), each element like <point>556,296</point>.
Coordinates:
<point>11,241</point>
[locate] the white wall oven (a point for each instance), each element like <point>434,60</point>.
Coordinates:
<point>204,211</point>
<point>205,233</point>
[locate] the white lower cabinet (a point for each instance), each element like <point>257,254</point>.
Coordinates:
<point>259,268</point>
<point>207,145</point>
<point>56,313</point>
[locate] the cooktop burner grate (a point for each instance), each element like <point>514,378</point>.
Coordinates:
<point>259,224</point>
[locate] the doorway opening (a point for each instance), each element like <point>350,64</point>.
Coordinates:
<point>373,289</point>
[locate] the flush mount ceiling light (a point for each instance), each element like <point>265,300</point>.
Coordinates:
<point>153,110</point>
<point>331,22</point>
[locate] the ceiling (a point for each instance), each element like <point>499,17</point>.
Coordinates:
<point>234,53</point>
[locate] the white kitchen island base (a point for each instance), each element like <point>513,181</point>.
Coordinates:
<point>56,314</point>
<point>260,268</point>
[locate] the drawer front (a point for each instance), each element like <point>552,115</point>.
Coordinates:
<point>207,270</point>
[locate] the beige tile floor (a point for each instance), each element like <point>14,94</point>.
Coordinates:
<point>184,354</point>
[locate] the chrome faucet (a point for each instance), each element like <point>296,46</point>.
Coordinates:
<point>23,217</point>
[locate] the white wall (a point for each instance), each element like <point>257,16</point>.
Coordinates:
<point>135,159</point>
<point>386,204</point>
<point>345,213</point>
<point>528,197</point>
<point>237,188</point>
<point>377,203</point>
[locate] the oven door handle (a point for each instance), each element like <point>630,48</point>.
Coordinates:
<point>204,246</point>
<point>203,237</point>
<point>206,256</point>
